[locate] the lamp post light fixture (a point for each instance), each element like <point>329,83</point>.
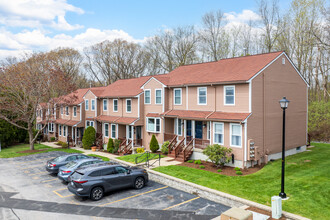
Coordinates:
<point>284,105</point>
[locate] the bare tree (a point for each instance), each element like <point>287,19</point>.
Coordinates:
<point>271,22</point>
<point>119,59</point>
<point>24,85</point>
<point>172,48</point>
<point>215,42</point>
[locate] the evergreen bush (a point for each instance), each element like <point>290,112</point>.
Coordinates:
<point>88,138</point>
<point>164,148</point>
<point>110,145</point>
<point>154,146</point>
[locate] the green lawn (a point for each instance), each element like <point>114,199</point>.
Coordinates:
<point>95,155</point>
<point>307,182</point>
<point>12,150</point>
<point>131,158</point>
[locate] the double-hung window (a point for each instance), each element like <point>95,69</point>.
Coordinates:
<point>115,105</point>
<point>106,130</point>
<point>64,130</point>
<point>229,95</point>
<point>93,104</point>
<point>177,96</point>
<point>218,133</point>
<point>147,96</point>
<point>74,111</point>
<point>61,110</point>
<point>158,96</point>
<point>113,131</point>
<point>178,127</point>
<point>202,95</point>
<point>89,123</point>
<point>236,135</point>
<point>86,104</point>
<point>51,127</point>
<point>60,130</point>
<point>129,105</point>
<point>105,104</point>
<point>67,110</point>
<point>153,125</point>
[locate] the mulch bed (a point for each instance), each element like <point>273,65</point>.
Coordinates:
<point>30,151</point>
<point>228,171</point>
<point>254,209</point>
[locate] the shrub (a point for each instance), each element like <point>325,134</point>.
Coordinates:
<point>154,146</point>
<point>64,145</point>
<point>198,162</point>
<point>88,138</point>
<point>110,145</point>
<point>164,148</point>
<point>116,146</point>
<point>59,143</point>
<point>237,169</point>
<point>239,172</point>
<point>52,139</point>
<point>190,161</point>
<point>140,150</point>
<point>219,170</point>
<point>318,120</point>
<point>218,154</point>
<point>202,167</point>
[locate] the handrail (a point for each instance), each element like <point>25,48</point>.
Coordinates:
<point>178,148</point>
<point>201,143</point>
<point>123,143</point>
<point>148,158</point>
<point>188,149</point>
<point>127,147</point>
<point>168,136</point>
<point>172,144</point>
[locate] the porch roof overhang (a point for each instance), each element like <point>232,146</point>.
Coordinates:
<point>45,121</point>
<point>206,115</point>
<point>69,122</point>
<point>116,119</point>
<point>155,115</point>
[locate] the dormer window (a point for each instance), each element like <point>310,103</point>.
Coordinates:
<point>87,105</point>
<point>93,105</point>
<point>229,93</point>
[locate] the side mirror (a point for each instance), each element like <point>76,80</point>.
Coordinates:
<point>128,172</point>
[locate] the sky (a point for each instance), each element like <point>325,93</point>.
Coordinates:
<point>43,25</point>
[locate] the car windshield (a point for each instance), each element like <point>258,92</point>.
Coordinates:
<point>59,159</point>
<point>71,164</point>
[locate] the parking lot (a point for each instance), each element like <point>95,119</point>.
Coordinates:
<point>38,190</point>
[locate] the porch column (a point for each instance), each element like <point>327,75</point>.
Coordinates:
<point>72,134</point>
<point>185,131</point>
<point>127,134</point>
<point>132,135</point>
<point>75,137</point>
<point>193,131</point>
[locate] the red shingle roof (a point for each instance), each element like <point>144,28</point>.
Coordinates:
<point>66,122</point>
<point>225,70</point>
<point>206,115</point>
<point>116,119</point>
<point>153,115</point>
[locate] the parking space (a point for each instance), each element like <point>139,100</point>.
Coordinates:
<point>33,182</point>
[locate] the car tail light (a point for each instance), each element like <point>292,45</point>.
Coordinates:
<point>85,181</point>
<point>52,165</point>
<point>64,171</point>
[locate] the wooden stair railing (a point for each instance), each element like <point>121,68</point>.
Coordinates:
<point>187,151</point>
<point>128,147</point>
<point>172,144</point>
<point>178,148</point>
<point>122,145</point>
<point>99,141</point>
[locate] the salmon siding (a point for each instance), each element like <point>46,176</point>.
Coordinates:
<point>232,102</point>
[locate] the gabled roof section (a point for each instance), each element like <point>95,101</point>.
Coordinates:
<point>162,79</point>
<point>125,87</point>
<point>222,71</point>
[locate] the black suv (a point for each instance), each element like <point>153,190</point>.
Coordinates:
<point>93,181</point>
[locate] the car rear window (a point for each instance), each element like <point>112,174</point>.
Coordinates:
<point>77,175</point>
<point>71,164</point>
<point>59,159</point>
<point>96,173</point>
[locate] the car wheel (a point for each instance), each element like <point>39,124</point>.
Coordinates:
<point>139,183</point>
<point>97,193</point>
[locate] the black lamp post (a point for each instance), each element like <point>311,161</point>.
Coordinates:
<point>284,104</point>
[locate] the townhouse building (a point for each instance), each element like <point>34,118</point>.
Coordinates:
<point>232,102</point>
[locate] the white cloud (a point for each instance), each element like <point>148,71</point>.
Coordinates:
<point>37,13</point>
<point>36,40</point>
<point>244,17</point>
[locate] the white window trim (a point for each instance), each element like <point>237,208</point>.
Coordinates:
<point>223,132</point>
<point>198,88</point>
<point>64,128</point>
<point>87,105</point>
<point>105,105</point>
<point>180,96</point>
<point>177,126</point>
<point>74,112</point>
<point>127,105</point>
<point>90,122</point>
<point>230,131</point>
<point>92,104</point>
<point>145,96</point>
<point>50,127</point>
<point>160,125</point>
<point>161,97</point>
<point>60,130</point>
<point>67,110</point>
<point>114,137</point>
<point>113,105</point>
<point>224,95</point>
<point>104,130</point>
<point>61,110</point>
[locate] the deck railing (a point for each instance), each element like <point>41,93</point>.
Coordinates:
<point>200,143</point>
<point>169,136</point>
<point>188,149</point>
<point>137,142</point>
<point>172,144</point>
<point>178,148</point>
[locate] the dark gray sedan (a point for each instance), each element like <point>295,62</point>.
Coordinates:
<point>66,170</point>
<point>53,165</point>
<point>93,181</point>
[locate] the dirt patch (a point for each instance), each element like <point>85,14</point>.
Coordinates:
<point>228,171</point>
<point>254,209</point>
<point>307,161</point>
<point>292,163</point>
<point>30,151</point>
